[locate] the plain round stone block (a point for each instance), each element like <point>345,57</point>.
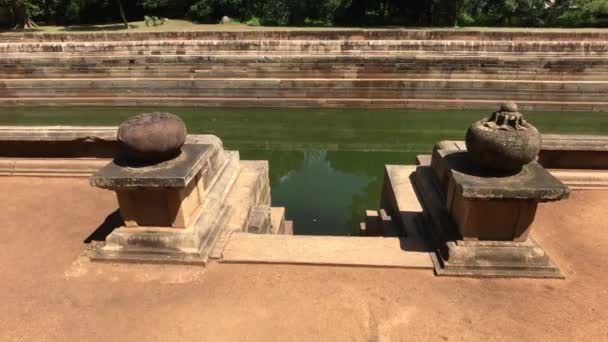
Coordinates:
<point>152,137</point>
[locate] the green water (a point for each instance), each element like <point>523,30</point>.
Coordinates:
<point>326,165</point>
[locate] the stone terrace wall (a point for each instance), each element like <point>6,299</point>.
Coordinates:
<point>373,68</point>
<point>311,34</point>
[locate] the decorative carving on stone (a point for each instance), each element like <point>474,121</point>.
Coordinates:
<point>504,142</point>
<point>152,137</point>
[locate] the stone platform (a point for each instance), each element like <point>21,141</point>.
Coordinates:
<point>208,185</point>
<point>451,254</point>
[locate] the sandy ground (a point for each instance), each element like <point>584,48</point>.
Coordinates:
<point>48,292</point>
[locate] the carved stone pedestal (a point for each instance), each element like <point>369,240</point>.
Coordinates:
<point>478,222</point>
<point>172,211</point>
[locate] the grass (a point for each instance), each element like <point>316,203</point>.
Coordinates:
<point>177,25</point>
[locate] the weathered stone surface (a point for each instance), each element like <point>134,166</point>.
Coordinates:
<point>576,160</point>
<point>323,250</point>
<point>168,207</point>
<point>277,218</point>
<point>533,182</point>
<point>509,106</point>
<point>453,256</point>
<point>168,245</point>
<point>176,173</point>
<point>363,68</point>
<point>504,142</point>
<point>152,137</point>
<point>260,222</point>
<point>50,167</point>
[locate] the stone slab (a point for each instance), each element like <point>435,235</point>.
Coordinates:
<point>288,227</point>
<point>582,179</point>
<point>260,221</point>
<point>277,218</point>
<point>175,173</point>
<point>532,183</point>
<point>400,201</point>
<point>423,159</point>
<point>57,133</point>
<point>323,250</point>
<point>51,167</point>
<point>485,259</point>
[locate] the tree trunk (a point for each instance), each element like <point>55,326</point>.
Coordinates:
<point>20,15</point>
<point>122,14</point>
<point>458,7</point>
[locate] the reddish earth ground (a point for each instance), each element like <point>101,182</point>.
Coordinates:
<point>50,292</point>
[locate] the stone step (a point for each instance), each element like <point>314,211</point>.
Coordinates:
<point>545,48</point>
<point>324,102</point>
<point>387,88</point>
<point>362,74</point>
<point>323,250</point>
<point>401,60</point>
<point>326,94</point>
<point>278,220</point>
<point>354,34</point>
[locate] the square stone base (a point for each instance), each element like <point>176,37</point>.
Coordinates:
<point>495,259</point>
<point>164,207</point>
<point>453,256</point>
<point>163,245</point>
<point>169,245</point>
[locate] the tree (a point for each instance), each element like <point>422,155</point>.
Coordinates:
<point>22,13</point>
<point>122,14</point>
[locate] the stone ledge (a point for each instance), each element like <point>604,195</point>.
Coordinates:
<point>273,102</point>
<point>323,250</point>
<point>308,33</point>
<point>62,142</point>
<point>55,167</point>
<point>582,179</point>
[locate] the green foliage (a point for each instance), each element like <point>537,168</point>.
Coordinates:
<point>154,4</point>
<point>201,11</point>
<point>255,21</point>
<point>153,20</point>
<point>532,13</point>
<point>211,11</point>
<point>584,13</point>
<point>507,12</point>
<point>275,13</point>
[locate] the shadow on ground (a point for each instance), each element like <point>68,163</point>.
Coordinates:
<point>93,28</point>
<point>112,221</point>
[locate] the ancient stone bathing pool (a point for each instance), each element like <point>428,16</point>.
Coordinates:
<point>326,165</point>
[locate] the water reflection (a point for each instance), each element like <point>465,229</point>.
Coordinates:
<point>318,195</point>
<point>326,192</point>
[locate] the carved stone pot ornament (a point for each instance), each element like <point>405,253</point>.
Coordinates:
<point>503,142</point>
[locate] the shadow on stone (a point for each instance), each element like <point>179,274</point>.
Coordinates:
<point>462,162</point>
<point>413,244</point>
<point>125,161</point>
<point>112,221</point>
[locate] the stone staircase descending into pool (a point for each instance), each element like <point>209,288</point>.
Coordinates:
<point>368,68</point>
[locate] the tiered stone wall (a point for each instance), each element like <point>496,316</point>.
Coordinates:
<point>369,68</point>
